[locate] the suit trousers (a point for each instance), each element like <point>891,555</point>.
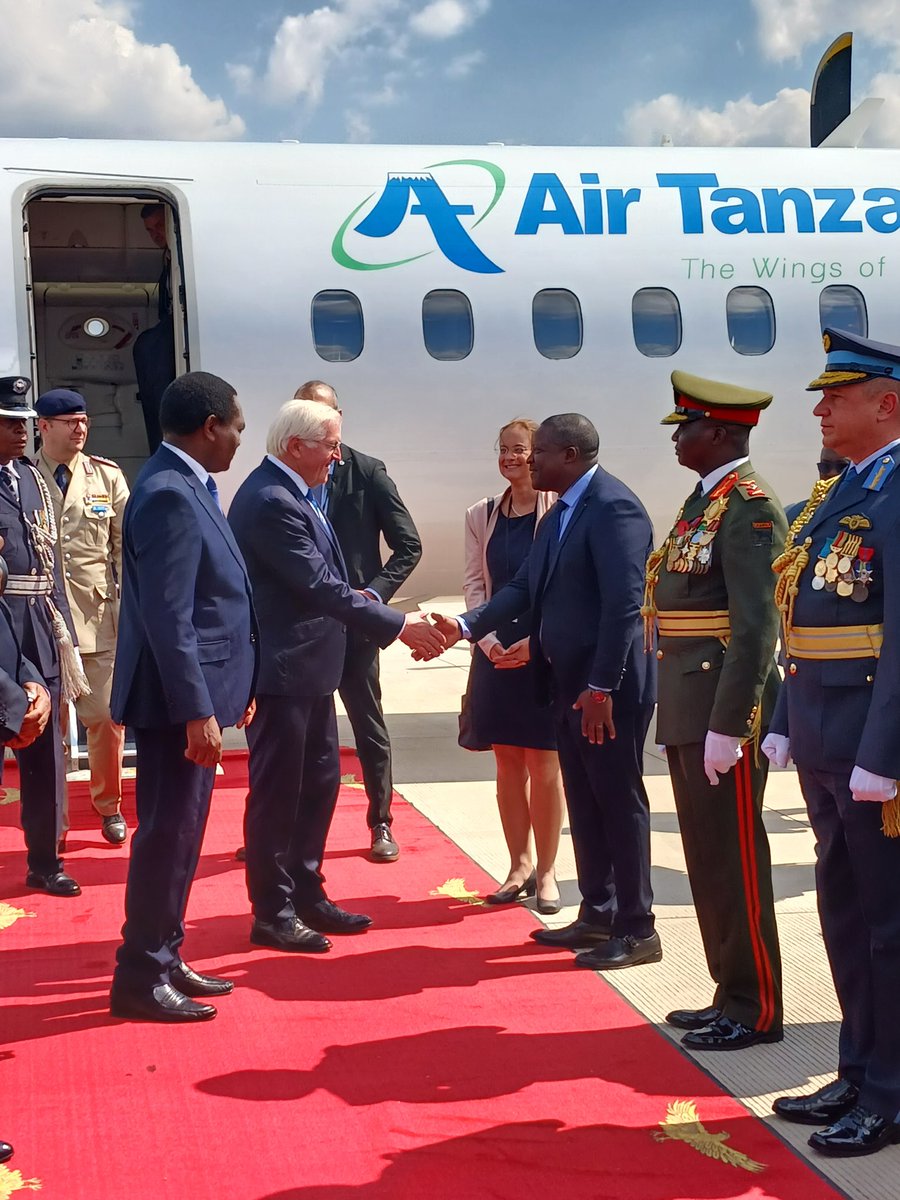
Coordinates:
<point>173,796</point>
<point>295,775</point>
<point>105,739</point>
<point>730,871</point>
<point>360,691</point>
<point>610,818</point>
<point>858,888</point>
<point>42,775</point>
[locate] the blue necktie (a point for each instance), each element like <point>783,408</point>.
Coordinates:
<point>320,495</point>
<point>61,475</point>
<point>314,504</point>
<point>213,491</point>
<point>563,513</point>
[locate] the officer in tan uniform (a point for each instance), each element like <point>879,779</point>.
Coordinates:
<point>710,594</point>
<point>89,495</point>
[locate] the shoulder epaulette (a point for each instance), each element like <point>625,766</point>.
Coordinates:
<point>751,490</point>
<point>107,462</point>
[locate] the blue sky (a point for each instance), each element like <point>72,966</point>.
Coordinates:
<point>470,71</point>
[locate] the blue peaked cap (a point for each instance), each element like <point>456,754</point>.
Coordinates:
<point>852,359</point>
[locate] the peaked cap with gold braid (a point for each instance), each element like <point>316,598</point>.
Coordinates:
<point>696,398</point>
<point>852,359</point>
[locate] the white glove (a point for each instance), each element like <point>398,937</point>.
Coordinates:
<point>777,749</point>
<point>873,788</point>
<point>720,754</point>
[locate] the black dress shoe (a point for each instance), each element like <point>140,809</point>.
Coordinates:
<point>192,983</point>
<point>621,952</point>
<point>114,829</point>
<point>240,855</point>
<point>6,1152</point>
<point>509,895</point>
<point>57,884</point>
<point>290,935</point>
<point>818,1108</point>
<point>327,917</point>
<point>384,847</point>
<point>725,1034</point>
<point>163,1003</point>
<point>857,1132</point>
<point>577,936</point>
<point>693,1018</point>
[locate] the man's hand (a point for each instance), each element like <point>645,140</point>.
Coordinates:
<point>874,789</point>
<point>423,639</point>
<point>448,628</point>
<point>720,753</point>
<point>596,717</point>
<point>37,714</point>
<point>204,742</point>
<point>516,655</point>
<point>777,749</point>
<point>248,716</point>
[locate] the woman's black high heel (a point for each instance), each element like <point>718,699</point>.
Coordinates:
<point>511,895</point>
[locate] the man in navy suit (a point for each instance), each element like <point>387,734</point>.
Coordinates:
<point>583,582</point>
<point>305,606</point>
<point>185,668</point>
<point>837,716</point>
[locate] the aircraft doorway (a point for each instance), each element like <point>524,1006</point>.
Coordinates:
<point>106,311</point>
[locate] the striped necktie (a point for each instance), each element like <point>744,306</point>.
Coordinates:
<point>213,491</point>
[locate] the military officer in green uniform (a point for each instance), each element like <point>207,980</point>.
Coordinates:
<point>710,596</point>
<point>88,495</point>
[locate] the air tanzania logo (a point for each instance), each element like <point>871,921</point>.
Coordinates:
<point>414,209</point>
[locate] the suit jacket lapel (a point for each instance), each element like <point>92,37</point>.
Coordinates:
<point>340,477</point>
<point>841,497</point>
<point>558,542</point>
<point>167,461</point>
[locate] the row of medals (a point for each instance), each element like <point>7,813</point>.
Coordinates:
<point>690,549</point>
<point>842,567</point>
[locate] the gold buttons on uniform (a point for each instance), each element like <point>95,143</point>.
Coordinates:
<point>870,679</point>
<point>705,666</point>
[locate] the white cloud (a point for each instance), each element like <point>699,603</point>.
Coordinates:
<point>447,18</point>
<point>464,64</point>
<point>74,68</point>
<point>786,27</point>
<point>359,128</point>
<point>783,121</point>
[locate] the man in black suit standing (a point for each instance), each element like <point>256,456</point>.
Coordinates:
<point>186,661</point>
<point>362,503</point>
<point>583,582</point>
<point>305,604</point>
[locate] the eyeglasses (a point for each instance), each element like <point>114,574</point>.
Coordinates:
<point>72,422</point>
<point>332,446</point>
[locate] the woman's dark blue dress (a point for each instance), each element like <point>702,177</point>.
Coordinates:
<point>503,706</point>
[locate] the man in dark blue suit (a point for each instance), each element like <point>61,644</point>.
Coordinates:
<point>185,668</point>
<point>837,716</point>
<point>305,605</point>
<point>583,582</point>
<point>42,621</point>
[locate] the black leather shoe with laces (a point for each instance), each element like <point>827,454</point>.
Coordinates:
<point>821,1107</point>
<point>693,1018</point>
<point>856,1133</point>
<point>384,847</point>
<point>725,1034</point>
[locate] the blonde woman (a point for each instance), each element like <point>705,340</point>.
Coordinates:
<point>503,711</point>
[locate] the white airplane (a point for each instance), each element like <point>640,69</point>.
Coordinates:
<point>444,290</point>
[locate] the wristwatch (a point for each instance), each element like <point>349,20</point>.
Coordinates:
<point>599,697</point>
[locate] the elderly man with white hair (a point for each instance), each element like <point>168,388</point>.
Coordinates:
<point>304,605</point>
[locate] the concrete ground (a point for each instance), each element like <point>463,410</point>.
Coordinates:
<point>455,790</point>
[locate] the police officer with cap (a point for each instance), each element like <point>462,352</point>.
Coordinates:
<point>89,495</point>
<point>42,625</point>
<point>837,716</point>
<point>710,596</point>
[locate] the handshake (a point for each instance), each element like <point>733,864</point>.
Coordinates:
<point>427,640</point>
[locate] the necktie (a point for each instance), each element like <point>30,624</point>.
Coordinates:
<point>314,504</point>
<point>563,513</point>
<point>320,495</point>
<point>213,491</point>
<point>8,483</point>
<point>61,475</point>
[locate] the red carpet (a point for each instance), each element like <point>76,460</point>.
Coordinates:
<point>441,1056</point>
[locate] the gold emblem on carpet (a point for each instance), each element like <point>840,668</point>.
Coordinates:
<point>9,796</point>
<point>682,1124</point>
<point>12,1182</point>
<point>9,916</point>
<point>456,889</point>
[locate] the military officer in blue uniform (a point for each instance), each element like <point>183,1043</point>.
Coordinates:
<point>837,716</point>
<point>43,627</point>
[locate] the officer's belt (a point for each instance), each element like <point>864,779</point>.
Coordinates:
<point>835,641</point>
<point>694,623</point>
<point>29,585</point>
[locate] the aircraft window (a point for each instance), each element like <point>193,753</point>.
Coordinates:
<point>337,325</point>
<point>556,321</point>
<point>656,321</point>
<point>843,307</point>
<point>447,325</point>
<point>96,327</point>
<point>751,320</point>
